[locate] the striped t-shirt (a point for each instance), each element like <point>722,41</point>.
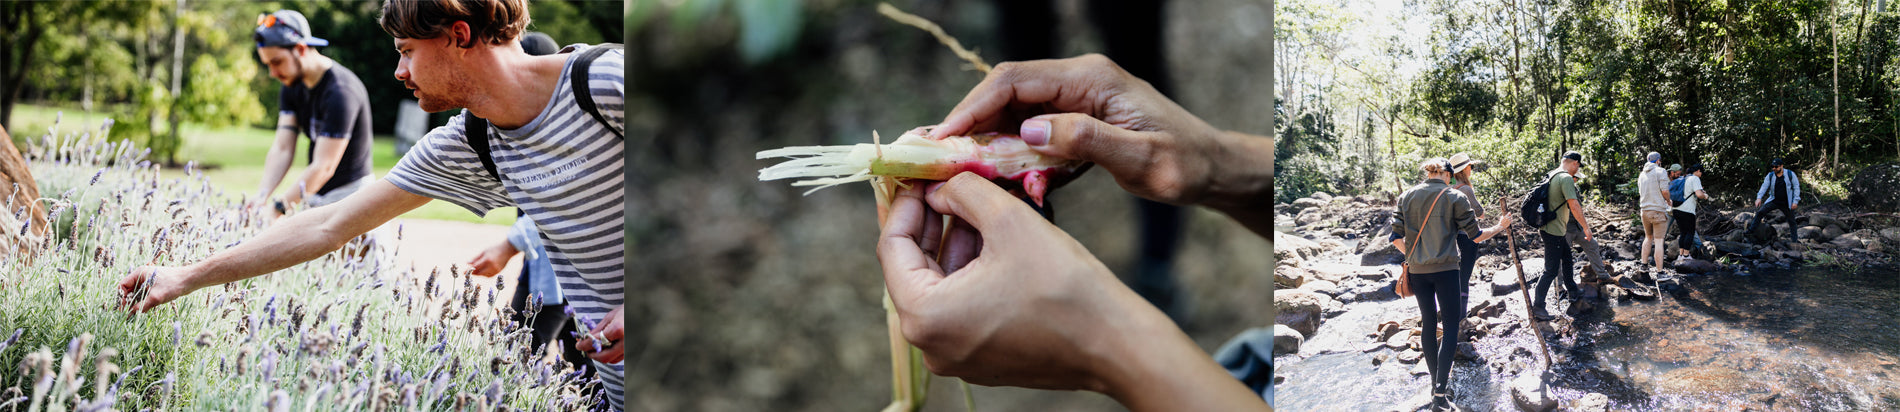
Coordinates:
<point>564,170</point>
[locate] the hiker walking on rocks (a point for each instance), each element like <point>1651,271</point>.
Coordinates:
<point>1430,217</point>
<point>1558,263</point>
<point>1461,165</point>
<point>1780,190</point>
<point>1690,189</point>
<point>1653,194</point>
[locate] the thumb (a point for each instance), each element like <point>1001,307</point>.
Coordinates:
<point>994,213</point>
<point>1081,137</point>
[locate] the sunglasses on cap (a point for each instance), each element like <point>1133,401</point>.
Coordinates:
<point>266,20</point>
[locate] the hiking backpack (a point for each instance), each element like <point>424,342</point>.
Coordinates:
<point>1675,190</point>
<point>476,128</point>
<point>1536,211</point>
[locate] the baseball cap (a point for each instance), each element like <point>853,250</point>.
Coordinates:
<point>285,28</point>
<point>1777,162</point>
<point>1573,155</point>
<point>1694,168</point>
<point>538,44</point>
<point>1675,167</point>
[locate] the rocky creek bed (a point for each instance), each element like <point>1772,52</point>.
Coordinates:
<point>1757,323</point>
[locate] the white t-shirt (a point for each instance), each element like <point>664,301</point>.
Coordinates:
<point>564,169</point>
<point>1690,184</point>
<point>1650,186</point>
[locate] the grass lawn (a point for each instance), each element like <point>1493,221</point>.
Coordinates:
<point>233,158</point>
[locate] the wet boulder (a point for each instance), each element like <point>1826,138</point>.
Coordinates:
<point>1736,249</point>
<point>1292,276</point>
<point>1506,281</point>
<point>1305,203</point>
<point>1595,402</point>
<point>1292,249</point>
<point>1384,254</point>
<point>1693,265</point>
<point>1300,310</point>
<point>1286,340</point>
<point>1810,232</point>
<point>1322,287</point>
<point>1877,187</point>
<point>1530,394</point>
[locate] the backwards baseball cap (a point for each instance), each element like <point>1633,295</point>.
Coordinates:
<point>285,28</point>
<point>1573,155</point>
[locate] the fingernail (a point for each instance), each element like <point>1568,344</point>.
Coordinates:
<point>1035,131</point>
<point>932,188</point>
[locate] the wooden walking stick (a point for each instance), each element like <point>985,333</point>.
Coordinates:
<point>1524,288</point>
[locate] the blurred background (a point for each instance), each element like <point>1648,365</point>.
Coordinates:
<point>745,295</point>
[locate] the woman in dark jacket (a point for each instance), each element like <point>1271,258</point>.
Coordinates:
<point>1429,218</point>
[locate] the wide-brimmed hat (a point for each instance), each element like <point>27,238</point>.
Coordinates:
<point>1461,161</point>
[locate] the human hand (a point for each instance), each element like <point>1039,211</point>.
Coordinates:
<point>490,261</point>
<point>1088,108</point>
<point>1027,305</point>
<point>1757,202</point>
<point>612,331</point>
<point>149,286</point>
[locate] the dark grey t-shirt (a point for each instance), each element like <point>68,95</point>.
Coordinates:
<point>336,108</point>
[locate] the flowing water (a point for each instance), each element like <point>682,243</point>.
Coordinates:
<point>1775,339</point>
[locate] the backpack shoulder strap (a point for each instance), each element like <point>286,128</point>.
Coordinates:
<point>577,78</point>
<point>476,130</point>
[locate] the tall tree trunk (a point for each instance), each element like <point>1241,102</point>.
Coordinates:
<point>178,76</point>
<point>18,19</point>
<point>1834,36</point>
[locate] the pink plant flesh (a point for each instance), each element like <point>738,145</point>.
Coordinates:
<point>1000,157</point>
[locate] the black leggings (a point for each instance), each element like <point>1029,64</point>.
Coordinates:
<point>1685,223</point>
<point>1440,289</point>
<point>1558,264</point>
<point>1467,260</point>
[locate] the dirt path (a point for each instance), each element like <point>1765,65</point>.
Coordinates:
<point>432,244</point>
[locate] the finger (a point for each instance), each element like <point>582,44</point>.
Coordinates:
<point>1078,136</point>
<point>585,345</point>
<point>1020,84</point>
<point>932,241</point>
<point>907,271</point>
<point>613,354</point>
<point>961,247</point>
<point>986,207</point>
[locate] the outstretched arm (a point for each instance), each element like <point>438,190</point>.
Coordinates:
<point>294,240</point>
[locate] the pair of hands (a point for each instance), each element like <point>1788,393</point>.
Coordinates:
<point>1000,296</point>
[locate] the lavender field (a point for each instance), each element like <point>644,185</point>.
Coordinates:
<point>349,331</point>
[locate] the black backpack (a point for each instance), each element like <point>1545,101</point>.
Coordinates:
<point>476,128</point>
<point>1535,210</point>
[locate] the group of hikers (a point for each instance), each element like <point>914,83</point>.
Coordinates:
<point>1436,228</point>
